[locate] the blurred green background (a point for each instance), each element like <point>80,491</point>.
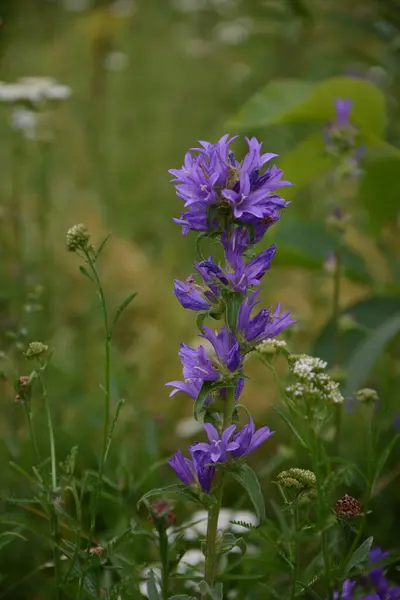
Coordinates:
<point>149,78</point>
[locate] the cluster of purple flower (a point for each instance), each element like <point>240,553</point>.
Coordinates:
<point>234,203</point>
<point>375,583</point>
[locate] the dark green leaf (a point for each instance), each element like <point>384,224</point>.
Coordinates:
<point>233,302</point>
<point>199,403</point>
<point>173,491</point>
<point>123,306</point>
<point>152,591</point>
<point>383,458</point>
<point>309,590</point>
<point>367,353</point>
<point>201,317</point>
<point>248,479</point>
<point>307,243</point>
<point>380,190</point>
<point>370,313</point>
<point>360,555</point>
<point>182,597</point>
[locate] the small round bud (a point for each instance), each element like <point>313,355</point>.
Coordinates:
<point>347,323</point>
<point>161,513</point>
<point>347,507</point>
<point>77,238</point>
<point>367,396</point>
<point>35,349</point>
<point>300,479</point>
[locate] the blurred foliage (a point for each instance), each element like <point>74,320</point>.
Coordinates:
<point>149,79</point>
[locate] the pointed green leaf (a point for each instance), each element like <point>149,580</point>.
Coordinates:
<point>123,306</point>
<point>102,245</point>
<point>85,272</point>
<point>383,458</point>
<point>152,591</point>
<point>233,302</point>
<point>173,491</point>
<point>360,555</point>
<point>367,353</point>
<point>199,403</point>
<point>248,479</point>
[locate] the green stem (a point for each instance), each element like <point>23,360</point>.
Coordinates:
<point>53,514</point>
<point>295,557</point>
<point>16,212</point>
<point>32,434</point>
<point>337,338</point>
<point>213,514</point>
<point>107,369</point>
<point>106,420</point>
<point>164,554</point>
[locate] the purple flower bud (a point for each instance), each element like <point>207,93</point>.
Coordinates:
<point>248,439</point>
<point>190,295</point>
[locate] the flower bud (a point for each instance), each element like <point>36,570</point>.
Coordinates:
<point>35,349</point>
<point>161,514</point>
<point>300,479</point>
<point>367,396</point>
<point>77,238</point>
<point>347,507</point>
<point>347,323</point>
<point>271,347</point>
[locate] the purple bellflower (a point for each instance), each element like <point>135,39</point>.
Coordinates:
<point>263,325</point>
<point>248,439</point>
<point>190,295</point>
<point>213,178</point>
<point>192,388</point>
<point>343,110</point>
<point>218,447</point>
<point>190,471</point>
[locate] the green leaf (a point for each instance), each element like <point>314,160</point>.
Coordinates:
<point>360,555</point>
<point>248,479</point>
<point>369,313</point>
<point>288,422</point>
<point>307,161</point>
<point>201,317</point>
<point>287,101</point>
<point>102,245</point>
<point>272,103</point>
<point>215,593</point>
<point>307,243</point>
<point>233,302</point>
<point>383,458</point>
<point>123,306</point>
<point>379,192</point>
<point>86,273</point>
<point>152,591</point>
<point>182,597</point>
<point>367,353</point>
<point>199,403</point>
<point>309,590</point>
<point>173,491</point>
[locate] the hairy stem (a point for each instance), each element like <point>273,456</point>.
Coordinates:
<point>53,514</point>
<point>295,557</point>
<point>213,514</point>
<point>32,433</point>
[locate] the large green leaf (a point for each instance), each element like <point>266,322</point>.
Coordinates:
<point>380,191</point>
<point>272,103</point>
<point>287,101</point>
<point>307,243</point>
<point>367,353</point>
<point>370,313</point>
<point>360,555</point>
<point>306,162</point>
<point>248,479</point>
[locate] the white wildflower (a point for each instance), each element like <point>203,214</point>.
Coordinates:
<point>34,91</point>
<point>116,61</point>
<point>192,560</point>
<point>234,32</point>
<point>25,121</point>
<point>312,382</point>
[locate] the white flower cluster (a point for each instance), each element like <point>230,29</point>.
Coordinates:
<point>312,382</point>
<point>271,347</point>
<point>33,91</point>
